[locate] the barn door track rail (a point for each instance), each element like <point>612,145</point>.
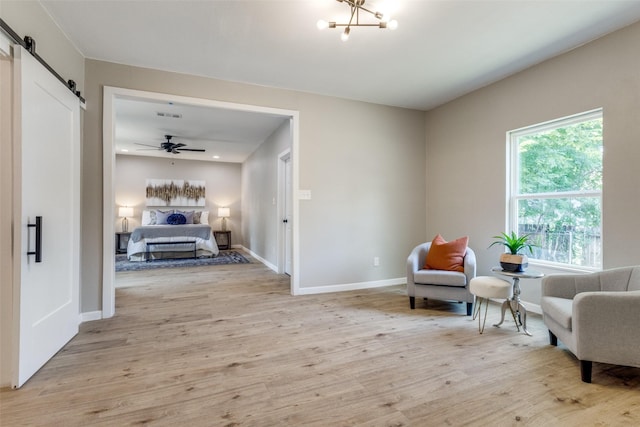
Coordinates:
<point>30,45</point>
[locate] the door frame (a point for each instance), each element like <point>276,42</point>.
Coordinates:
<point>110,94</point>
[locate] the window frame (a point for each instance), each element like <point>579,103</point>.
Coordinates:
<point>513,180</point>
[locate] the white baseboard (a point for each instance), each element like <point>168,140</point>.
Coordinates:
<point>90,315</point>
<point>351,286</point>
<point>532,308</point>
<point>331,288</point>
<point>259,258</point>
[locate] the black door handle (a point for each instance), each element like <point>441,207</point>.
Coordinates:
<point>38,251</point>
<point>285,220</point>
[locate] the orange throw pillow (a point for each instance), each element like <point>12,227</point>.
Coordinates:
<point>445,255</point>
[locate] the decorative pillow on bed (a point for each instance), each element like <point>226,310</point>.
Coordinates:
<point>176,219</point>
<point>146,217</point>
<point>162,216</point>
<point>196,217</point>
<point>188,215</point>
<point>204,217</point>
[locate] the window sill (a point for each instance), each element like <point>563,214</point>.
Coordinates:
<point>563,268</point>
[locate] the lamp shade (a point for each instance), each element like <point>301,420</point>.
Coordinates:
<point>224,212</point>
<point>124,212</point>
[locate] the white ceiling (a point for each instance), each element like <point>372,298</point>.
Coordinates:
<point>440,51</point>
<point>226,135</point>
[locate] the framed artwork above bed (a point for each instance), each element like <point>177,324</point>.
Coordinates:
<point>175,192</point>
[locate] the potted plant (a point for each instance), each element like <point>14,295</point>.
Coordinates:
<point>513,260</point>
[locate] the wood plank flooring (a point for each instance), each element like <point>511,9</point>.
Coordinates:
<point>229,346</point>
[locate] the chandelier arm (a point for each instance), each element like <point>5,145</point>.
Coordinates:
<point>354,4</point>
<point>351,3</point>
<point>367,10</point>
<point>357,25</point>
<point>354,9</point>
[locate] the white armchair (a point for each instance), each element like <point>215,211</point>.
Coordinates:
<point>439,284</point>
<point>595,315</point>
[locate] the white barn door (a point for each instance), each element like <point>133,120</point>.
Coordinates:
<point>46,185</point>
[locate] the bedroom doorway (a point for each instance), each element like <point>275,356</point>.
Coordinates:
<point>110,99</point>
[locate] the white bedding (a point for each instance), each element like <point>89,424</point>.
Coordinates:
<point>136,251</point>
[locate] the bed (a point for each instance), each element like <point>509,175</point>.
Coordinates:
<point>159,239</point>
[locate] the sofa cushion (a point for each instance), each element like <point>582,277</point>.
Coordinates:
<point>559,309</point>
<point>448,256</point>
<point>634,280</point>
<point>440,277</point>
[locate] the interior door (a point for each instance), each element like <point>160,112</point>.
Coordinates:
<point>288,208</point>
<point>47,185</point>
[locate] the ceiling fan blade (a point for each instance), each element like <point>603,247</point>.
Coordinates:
<point>147,145</point>
<point>191,149</point>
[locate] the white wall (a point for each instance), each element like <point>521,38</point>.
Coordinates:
<point>222,183</point>
<point>260,195</point>
<point>466,146</point>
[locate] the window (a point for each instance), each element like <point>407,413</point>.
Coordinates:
<point>556,189</point>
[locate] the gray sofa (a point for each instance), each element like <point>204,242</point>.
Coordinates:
<point>438,284</point>
<point>596,315</point>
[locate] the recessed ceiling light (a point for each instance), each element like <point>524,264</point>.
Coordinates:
<point>124,150</point>
<point>216,157</point>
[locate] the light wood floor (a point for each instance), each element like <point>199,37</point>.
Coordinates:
<point>228,346</point>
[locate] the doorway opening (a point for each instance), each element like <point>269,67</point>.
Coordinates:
<point>111,95</point>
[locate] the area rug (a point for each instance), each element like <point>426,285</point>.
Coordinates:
<point>223,258</point>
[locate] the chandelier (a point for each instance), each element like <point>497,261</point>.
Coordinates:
<point>356,7</point>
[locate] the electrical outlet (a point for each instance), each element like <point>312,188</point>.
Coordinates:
<point>376,261</point>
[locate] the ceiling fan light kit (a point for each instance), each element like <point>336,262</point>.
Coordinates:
<point>356,7</point>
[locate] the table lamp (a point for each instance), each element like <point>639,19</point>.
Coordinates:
<point>124,212</point>
<point>224,213</point>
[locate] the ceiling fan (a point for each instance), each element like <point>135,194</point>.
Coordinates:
<point>171,147</point>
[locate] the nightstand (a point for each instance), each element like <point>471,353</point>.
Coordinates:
<point>122,240</point>
<point>223,239</point>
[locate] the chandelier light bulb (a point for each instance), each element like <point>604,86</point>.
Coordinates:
<point>345,34</point>
<point>322,24</point>
<point>392,25</point>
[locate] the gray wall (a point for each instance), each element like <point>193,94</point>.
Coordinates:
<point>28,18</point>
<point>364,164</point>
<point>259,191</point>
<point>222,181</point>
<point>466,145</point>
